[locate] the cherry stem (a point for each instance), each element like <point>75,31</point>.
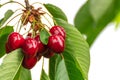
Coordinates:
<point>16,24</point>
<point>47,19</point>
<point>48,31</point>
<point>28,7</point>
<point>17,29</point>
<point>18,20</point>
<point>46,12</point>
<point>12,2</point>
<point>47,26</point>
<point>43,63</point>
<point>37,3</point>
<point>13,18</point>
<point>45,29</point>
<point>26,32</point>
<point>62,56</point>
<point>25,19</point>
<point>51,17</point>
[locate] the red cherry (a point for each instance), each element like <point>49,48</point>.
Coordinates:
<point>7,48</point>
<point>29,34</point>
<point>30,47</point>
<point>58,30</point>
<point>15,40</point>
<point>48,53</point>
<point>29,63</point>
<point>41,46</point>
<point>56,43</point>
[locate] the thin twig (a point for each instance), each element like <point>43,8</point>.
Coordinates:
<point>13,2</point>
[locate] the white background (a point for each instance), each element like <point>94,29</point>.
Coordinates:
<point>105,52</point>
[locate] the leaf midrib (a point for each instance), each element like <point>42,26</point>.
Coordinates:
<point>17,69</point>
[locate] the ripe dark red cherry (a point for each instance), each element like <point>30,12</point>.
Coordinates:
<point>29,34</point>
<point>56,43</point>
<point>38,56</point>
<point>30,47</point>
<point>7,49</point>
<point>48,53</point>
<point>41,46</point>
<point>58,30</point>
<point>15,40</point>
<point>29,63</point>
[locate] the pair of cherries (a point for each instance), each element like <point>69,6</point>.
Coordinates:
<point>33,48</point>
<point>29,48</point>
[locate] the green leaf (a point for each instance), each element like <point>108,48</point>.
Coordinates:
<point>7,15</point>
<point>117,17</point>
<point>64,68</point>
<point>4,32</point>
<point>69,66</point>
<point>117,5</point>
<point>72,66</point>
<point>61,72</point>
<point>83,20</point>
<point>76,54</point>
<point>117,20</point>
<point>77,57</point>
<point>55,11</point>
<point>52,67</point>
<point>44,35</point>
<point>85,24</point>
<point>23,74</point>
<point>99,7</point>
<point>11,65</point>
<point>53,63</point>
<point>44,76</point>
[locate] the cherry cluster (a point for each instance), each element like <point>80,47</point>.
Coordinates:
<point>33,48</point>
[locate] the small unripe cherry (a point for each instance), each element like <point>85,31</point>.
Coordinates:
<point>56,43</point>
<point>15,40</point>
<point>29,63</point>
<point>58,30</point>
<point>30,47</point>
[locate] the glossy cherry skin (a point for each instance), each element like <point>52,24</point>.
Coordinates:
<point>7,49</point>
<point>30,47</point>
<point>29,63</point>
<point>58,30</point>
<point>15,40</point>
<point>56,43</point>
<point>41,46</point>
